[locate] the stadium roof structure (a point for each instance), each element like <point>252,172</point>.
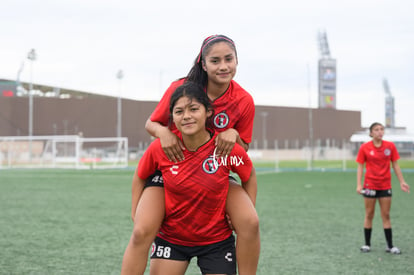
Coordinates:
<point>391,134</point>
<point>42,90</point>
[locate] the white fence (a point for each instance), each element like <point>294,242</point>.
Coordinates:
<point>328,149</point>
<point>331,156</point>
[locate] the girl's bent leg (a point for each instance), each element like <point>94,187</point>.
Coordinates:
<point>148,218</point>
<point>245,221</point>
<point>170,267</point>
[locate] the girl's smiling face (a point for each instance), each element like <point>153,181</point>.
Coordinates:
<point>190,116</point>
<point>220,63</point>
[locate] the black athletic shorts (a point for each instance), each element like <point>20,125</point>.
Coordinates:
<point>155,180</point>
<point>369,193</point>
<point>231,178</point>
<point>217,258</point>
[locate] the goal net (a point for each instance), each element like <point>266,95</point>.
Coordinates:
<point>63,152</point>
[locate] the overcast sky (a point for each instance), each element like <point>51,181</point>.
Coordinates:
<point>82,44</point>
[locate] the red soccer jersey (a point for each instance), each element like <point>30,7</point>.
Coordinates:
<point>234,109</point>
<point>377,159</point>
<point>195,191</point>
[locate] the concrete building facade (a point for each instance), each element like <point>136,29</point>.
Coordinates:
<point>96,116</point>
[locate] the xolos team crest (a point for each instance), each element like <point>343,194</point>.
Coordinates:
<point>221,120</point>
<point>210,165</point>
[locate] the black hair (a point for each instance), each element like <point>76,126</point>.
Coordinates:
<point>196,73</point>
<point>194,91</point>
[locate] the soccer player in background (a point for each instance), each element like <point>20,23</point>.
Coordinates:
<point>214,69</point>
<point>195,191</point>
<point>377,155</point>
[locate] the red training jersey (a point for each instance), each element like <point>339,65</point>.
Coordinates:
<point>234,109</point>
<point>377,159</point>
<point>195,191</point>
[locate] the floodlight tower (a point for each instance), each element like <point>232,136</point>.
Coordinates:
<point>323,45</point>
<point>32,56</point>
<point>389,106</point>
<point>119,76</point>
<point>327,74</point>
